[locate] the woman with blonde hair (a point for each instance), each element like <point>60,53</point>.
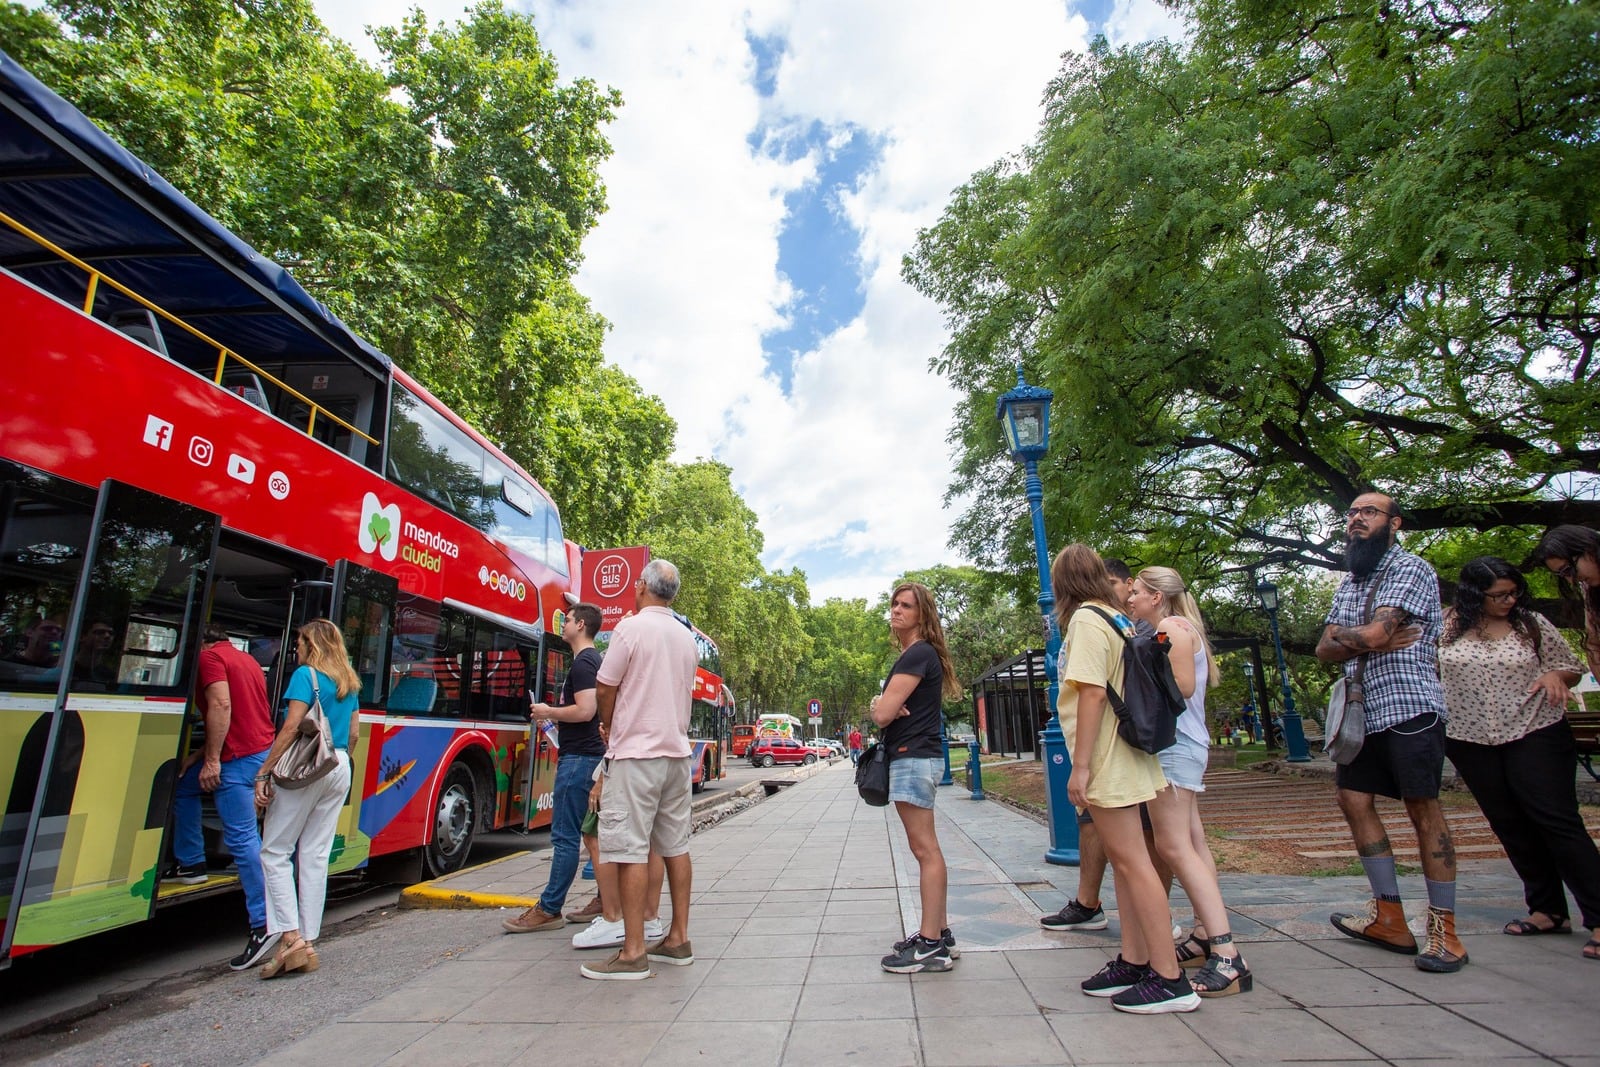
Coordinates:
<point>303,820</point>
<point>1161,599</point>
<point>908,712</point>
<point>1113,778</point>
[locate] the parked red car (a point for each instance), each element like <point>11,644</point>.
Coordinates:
<point>769,750</point>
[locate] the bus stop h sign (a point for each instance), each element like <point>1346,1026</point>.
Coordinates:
<point>814,709</point>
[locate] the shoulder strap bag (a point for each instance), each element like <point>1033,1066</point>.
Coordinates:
<point>1346,721</point>
<point>311,755</point>
<point>872,775</point>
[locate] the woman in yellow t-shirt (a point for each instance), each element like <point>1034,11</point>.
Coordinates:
<point>1113,778</point>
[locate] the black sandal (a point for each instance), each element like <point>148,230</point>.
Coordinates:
<point>1592,943</point>
<point>1528,928</point>
<point>1196,956</point>
<point>1222,977</point>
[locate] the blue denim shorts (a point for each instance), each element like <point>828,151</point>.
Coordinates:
<point>915,780</point>
<point>1184,763</point>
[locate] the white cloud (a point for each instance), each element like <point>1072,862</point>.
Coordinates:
<point>851,464</point>
<point>1132,21</point>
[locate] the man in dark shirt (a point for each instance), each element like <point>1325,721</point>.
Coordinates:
<point>578,738</point>
<point>232,698</point>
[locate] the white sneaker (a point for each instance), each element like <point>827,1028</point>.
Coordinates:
<point>599,934</point>
<point>655,929</point>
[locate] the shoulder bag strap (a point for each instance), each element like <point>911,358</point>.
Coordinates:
<point>1366,617</point>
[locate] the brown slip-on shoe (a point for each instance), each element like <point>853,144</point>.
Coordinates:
<point>618,969</point>
<point>677,956</point>
<point>535,918</point>
<point>1382,924</point>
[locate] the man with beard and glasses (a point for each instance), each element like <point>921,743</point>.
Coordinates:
<point>1403,755</point>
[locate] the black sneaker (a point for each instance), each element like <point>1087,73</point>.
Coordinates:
<point>918,954</point>
<point>185,875</point>
<point>1114,977</point>
<point>1156,995</point>
<point>1076,916</point>
<point>255,950</point>
<point>945,934</point>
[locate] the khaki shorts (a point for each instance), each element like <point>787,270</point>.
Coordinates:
<point>644,806</point>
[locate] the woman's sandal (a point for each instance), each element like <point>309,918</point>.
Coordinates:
<point>1222,977</point>
<point>1591,949</point>
<point>1195,956</point>
<point>289,958</point>
<point>1528,928</point>
<point>312,962</point>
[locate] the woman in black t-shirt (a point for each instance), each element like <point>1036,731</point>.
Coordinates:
<point>908,713</point>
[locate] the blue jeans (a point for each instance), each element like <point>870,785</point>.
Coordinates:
<point>235,798</point>
<point>574,779</point>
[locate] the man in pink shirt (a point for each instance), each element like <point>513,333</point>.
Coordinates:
<point>643,691</point>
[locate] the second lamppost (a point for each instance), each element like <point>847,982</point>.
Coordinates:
<point>1294,734</point>
<point>1024,412</point>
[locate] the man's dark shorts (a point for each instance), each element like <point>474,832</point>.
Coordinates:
<point>1405,762</point>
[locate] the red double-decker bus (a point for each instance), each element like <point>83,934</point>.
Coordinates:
<point>187,436</point>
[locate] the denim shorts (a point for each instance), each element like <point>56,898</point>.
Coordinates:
<point>914,780</point>
<point>1184,763</point>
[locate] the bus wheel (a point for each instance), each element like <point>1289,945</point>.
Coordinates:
<point>705,773</point>
<point>454,822</point>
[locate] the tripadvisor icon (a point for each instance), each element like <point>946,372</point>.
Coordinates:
<point>382,529</point>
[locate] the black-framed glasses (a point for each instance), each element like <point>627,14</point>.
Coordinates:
<point>1365,511</point>
<point>1503,598</point>
<point>1567,572</point>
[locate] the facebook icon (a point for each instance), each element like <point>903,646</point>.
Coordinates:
<point>158,432</point>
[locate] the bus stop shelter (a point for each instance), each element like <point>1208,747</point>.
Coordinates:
<point>1010,704</point>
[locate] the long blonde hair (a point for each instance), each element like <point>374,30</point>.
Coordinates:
<point>1180,602</point>
<point>325,652</point>
<point>931,630</point>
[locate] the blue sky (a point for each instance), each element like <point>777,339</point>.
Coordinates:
<point>771,166</point>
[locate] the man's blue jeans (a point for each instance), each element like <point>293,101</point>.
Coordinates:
<point>574,779</point>
<point>235,798</point>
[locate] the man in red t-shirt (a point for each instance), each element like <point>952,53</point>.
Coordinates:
<point>855,745</point>
<point>231,693</point>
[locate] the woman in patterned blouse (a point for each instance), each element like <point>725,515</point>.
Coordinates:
<point>1507,673</point>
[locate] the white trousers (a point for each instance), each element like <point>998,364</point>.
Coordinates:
<point>303,820</point>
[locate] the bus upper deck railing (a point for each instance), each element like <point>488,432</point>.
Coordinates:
<point>224,353</point>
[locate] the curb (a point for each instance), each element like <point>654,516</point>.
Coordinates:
<point>704,813</point>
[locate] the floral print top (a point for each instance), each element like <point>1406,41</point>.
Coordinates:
<point>1486,682</point>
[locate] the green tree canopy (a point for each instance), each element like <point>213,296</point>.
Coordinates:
<point>1322,248</point>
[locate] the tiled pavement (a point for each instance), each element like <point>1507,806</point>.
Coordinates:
<point>796,898</point>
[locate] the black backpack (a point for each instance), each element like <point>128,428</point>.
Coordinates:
<point>1147,714</point>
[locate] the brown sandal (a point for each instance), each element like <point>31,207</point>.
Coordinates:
<point>1591,949</point>
<point>289,958</point>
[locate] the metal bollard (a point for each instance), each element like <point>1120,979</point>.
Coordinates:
<point>944,740</point>
<point>974,770</point>
<point>588,869</point>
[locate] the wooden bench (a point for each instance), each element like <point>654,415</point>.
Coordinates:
<point>1585,723</point>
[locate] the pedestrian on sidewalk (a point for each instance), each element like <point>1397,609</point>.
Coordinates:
<point>855,746</point>
<point>644,689</point>
<point>1112,778</point>
<point>581,749</point>
<point>1386,611</point>
<point>1507,675</point>
<point>908,713</point>
<point>1084,911</point>
<point>232,698</point>
<point>297,833</point>
<point>1161,599</point>
<point>1572,554</point>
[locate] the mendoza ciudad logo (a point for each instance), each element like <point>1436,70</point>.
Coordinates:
<point>382,530</point>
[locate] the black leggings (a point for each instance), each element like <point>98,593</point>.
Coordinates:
<point>1527,790</point>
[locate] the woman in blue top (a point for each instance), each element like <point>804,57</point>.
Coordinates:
<point>304,819</point>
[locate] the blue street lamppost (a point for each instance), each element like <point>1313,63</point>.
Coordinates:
<point>1024,412</point>
<point>1294,734</point>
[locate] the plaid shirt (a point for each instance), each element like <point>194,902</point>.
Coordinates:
<point>1403,684</point>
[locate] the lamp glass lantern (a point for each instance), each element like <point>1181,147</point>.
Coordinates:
<point>1268,592</point>
<point>1025,412</point>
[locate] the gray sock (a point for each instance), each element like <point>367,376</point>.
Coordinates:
<point>1441,895</point>
<point>1382,877</point>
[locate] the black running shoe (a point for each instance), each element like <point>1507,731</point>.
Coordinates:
<point>1076,916</point>
<point>918,954</point>
<point>1156,995</point>
<point>255,950</point>
<point>1114,977</point>
<point>945,934</point>
<point>185,875</point>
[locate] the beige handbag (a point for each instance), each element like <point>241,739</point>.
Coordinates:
<point>311,754</point>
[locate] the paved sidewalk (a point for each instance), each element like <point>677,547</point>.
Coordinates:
<point>797,898</point>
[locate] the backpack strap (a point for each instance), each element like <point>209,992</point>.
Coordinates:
<point>1111,690</point>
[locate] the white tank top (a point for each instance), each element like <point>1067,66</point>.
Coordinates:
<point>1192,723</point>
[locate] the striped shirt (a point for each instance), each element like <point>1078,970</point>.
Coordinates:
<point>1402,684</point>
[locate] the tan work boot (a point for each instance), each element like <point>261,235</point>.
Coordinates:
<point>1382,924</point>
<point>1444,953</point>
<point>588,913</point>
